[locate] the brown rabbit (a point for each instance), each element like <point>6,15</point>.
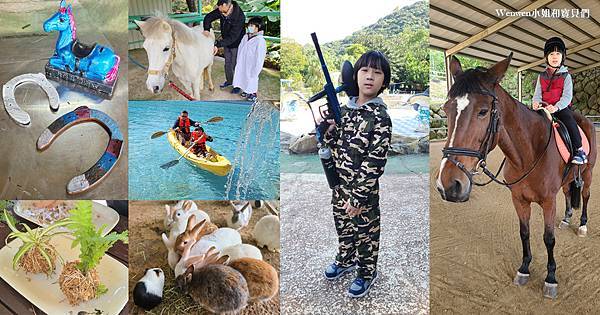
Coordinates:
<point>262,278</point>
<point>216,287</point>
<point>193,232</point>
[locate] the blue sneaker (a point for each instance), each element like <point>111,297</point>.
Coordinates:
<point>333,271</point>
<point>236,90</point>
<point>360,287</point>
<point>225,84</point>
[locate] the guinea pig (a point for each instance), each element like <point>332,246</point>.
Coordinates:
<point>148,291</point>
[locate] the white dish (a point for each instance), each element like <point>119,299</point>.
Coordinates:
<point>44,292</point>
<point>101,214</point>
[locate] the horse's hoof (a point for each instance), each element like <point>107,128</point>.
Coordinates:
<point>550,290</point>
<point>563,224</point>
<point>521,279</point>
<point>582,231</point>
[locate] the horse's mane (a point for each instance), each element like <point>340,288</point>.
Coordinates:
<point>472,80</point>
<point>182,32</point>
<point>469,81</point>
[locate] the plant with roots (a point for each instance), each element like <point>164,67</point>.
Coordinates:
<point>36,255</point>
<point>79,280</point>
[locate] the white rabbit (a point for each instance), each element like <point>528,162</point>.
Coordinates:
<point>242,212</point>
<point>172,256</point>
<point>170,211</point>
<point>266,232</point>
<point>242,251</point>
<point>180,217</point>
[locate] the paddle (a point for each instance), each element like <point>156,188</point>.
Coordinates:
<point>174,162</point>
<point>161,133</point>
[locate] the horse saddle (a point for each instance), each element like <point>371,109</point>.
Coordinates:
<point>563,140</point>
<point>81,50</point>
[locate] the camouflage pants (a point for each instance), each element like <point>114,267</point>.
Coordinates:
<point>358,236</point>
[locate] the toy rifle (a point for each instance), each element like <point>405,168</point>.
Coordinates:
<point>332,110</point>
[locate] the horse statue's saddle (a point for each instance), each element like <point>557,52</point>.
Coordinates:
<point>81,50</point>
<point>562,138</point>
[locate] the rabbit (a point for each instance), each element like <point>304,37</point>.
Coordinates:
<point>262,278</point>
<point>180,217</point>
<point>242,250</point>
<point>266,232</point>
<point>148,291</point>
<point>199,236</point>
<point>242,211</point>
<point>172,256</point>
<point>216,287</point>
<point>170,211</point>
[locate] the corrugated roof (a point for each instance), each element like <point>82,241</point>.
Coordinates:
<point>452,22</point>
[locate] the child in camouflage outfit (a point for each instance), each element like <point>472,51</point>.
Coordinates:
<point>359,147</point>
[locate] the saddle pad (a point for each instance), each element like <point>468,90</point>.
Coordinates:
<point>562,148</point>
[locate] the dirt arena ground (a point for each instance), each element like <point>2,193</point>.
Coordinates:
<point>148,251</point>
<point>476,251</point>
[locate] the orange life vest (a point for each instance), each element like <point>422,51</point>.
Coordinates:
<point>184,124</point>
<point>199,136</point>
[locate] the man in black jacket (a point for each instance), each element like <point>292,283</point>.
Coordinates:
<point>232,21</point>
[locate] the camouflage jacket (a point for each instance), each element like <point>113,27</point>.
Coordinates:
<point>359,148</point>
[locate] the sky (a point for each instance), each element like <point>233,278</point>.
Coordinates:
<point>332,19</point>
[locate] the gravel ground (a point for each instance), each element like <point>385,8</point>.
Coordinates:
<point>309,243</point>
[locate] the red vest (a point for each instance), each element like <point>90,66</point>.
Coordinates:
<point>198,135</point>
<point>184,124</point>
<point>552,86</point>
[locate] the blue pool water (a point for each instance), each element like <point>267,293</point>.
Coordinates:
<point>255,165</point>
<point>311,164</point>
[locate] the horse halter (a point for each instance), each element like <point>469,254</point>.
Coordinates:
<point>167,66</point>
<point>484,148</point>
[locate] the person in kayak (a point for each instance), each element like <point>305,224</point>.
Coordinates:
<point>199,137</point>
<point>182,127</point>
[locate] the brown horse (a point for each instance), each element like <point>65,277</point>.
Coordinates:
<point>481,116</point>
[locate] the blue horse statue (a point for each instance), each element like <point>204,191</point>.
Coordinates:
<point>95,62</point>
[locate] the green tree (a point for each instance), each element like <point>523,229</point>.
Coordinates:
<point>355,51</point>
<point>293,62</point>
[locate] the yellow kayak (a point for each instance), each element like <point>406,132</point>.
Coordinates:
<point>220,167</point>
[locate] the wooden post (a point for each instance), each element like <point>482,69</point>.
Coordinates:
<point>520,85</point>
<point>448,74</point>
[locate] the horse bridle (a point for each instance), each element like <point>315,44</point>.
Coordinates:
<point>482,153</point>
<point>167,66</point>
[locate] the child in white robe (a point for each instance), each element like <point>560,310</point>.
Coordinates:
<point>250,58</point>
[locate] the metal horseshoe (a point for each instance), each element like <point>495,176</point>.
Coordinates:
<point>10,103</point>
<point>98,171</point>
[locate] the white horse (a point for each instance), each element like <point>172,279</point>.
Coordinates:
<point>171,42</point>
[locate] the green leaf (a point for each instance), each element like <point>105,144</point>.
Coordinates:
<point>92,244</point>
<point>47,258</point>
<point>102,289</point>
<point>22,250</point>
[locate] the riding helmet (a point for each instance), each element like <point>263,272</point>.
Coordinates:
<point>555,44</point>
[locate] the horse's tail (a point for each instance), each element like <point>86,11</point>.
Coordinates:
<point>575,194</point>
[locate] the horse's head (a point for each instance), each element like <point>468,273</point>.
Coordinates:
<point>158,43</point>
<point>472,125</point>
<point>61,20</point>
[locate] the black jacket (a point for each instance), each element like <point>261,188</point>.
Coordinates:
<point>232,26</point>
